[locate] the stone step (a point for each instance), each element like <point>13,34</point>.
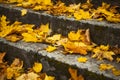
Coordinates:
<point>100,32</point>
<point>56,63</point>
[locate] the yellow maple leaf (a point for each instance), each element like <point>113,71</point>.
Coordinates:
<point>47,2</point>
<point>39,7</point>
<point>113,19</point>
<point>23,12</point>
<point>37,67</point>
<point>77,16</point>
<point>116,72</point>
<point>80,35</point>
<point>53,39</point>
<point>3,22</point>
<point>50,48</point>
<point>76,47</point>
<point>105,48</point>
<point>49,77</point>
<point>101,52</point>
<point>74,74</point>
<point>13,38</point>
<point>30,37</point>
<point>10,73</point>
<point>8,30</point>
<point>82,59</point>
<point>81,14</point>
<point>12,1</point>
<point>44,28</point>
<point>105,67</point>
<point>29,76</point>
<point>74,36</point>
<point>14,69</point>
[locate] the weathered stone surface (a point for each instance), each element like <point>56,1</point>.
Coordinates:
<point>95,3</point>
<point>101,32</point>
<point>56,63</point>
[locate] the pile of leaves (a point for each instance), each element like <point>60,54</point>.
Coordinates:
<point>106,67</point>
<point>81,11</point>
<point>15,71</point>
<point>77,42</point>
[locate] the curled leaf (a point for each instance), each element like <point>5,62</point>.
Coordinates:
<point>74,74</point>
<point>2,56</point>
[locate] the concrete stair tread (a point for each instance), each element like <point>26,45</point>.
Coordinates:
<point>91,65</point>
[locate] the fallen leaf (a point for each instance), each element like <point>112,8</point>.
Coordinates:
<point>47,2</point>
<point>102,52</point>
<point>29,76</point>
<point>45,28</point>
<point>13,38</point>
<point>1,57</point>
<point>81,14</point>
<point>74,74</point>
<point>14,70</point>
<point>116,72</point>
<point>82,59</point>
<point>49,77</point>
<point>37,67</point>
<point>50,48</point>
<point>30,37</point>
<point>118,59</point>
<point>23,12</point>
<point>87,36</point>
<point>105,67</point>
<point>10,73</point>
<point>53,39</point>
<point>74,36</point>
<point>75,47</point>
<point>17,63</point>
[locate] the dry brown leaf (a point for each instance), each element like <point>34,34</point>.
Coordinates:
<point>118,59</point>
<point>87,36</point>
<point>17,63</point>
<point>74,74</point>
<point>1,57</point>
<point>13,38</point>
